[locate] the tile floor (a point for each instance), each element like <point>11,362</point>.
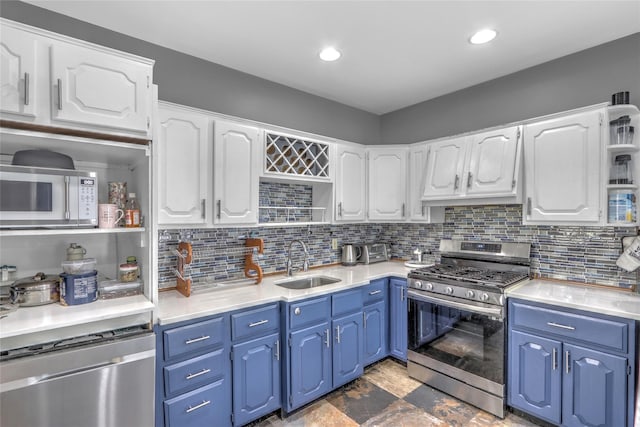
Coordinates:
<point>386,396</point>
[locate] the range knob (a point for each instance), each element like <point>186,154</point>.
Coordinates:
<point>428,286</point>
<point>470,294</point>
<point>418,284</point>
<point>485,297</point>
<point>449,290</point>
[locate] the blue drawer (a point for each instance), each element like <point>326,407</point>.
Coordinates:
<point>255,322</point>
<point>208,334</point>
<point>207,406</point>
<point>346,302</point>
<point>309,312</point>
<point>374,292</point>
<point>193,373</point>
<point>606,333</point>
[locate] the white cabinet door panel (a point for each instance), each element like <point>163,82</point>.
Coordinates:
<point>17,72</point>
<point>387,183</point>
<point>444,168</point>
<point>493,163</point>
<point>93,87</point>
<point>235,173</point>
<point>182,166</point>
<point>350,183</point>
<point>562,166</point>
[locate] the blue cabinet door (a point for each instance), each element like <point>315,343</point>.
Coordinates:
<point>398,318</point>
<point>534,374</point>
<point>375,328</point>
<point>594,388</point>
<point>256,378</point>
<point>347,348</point>
<point>309,364</point>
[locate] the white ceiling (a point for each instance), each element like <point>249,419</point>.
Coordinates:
<point>395,53</point>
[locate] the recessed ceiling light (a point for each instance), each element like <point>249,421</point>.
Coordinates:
<point>329,54</point>
<point>483,36</point>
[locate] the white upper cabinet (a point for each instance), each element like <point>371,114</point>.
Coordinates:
<point>350,183</point>
<point>475,169</point>
<point>493,163</point>
<point>17,72</point>
<point>52,80</point>
<point>562,169</point>
<point>444,169</point>
<point>236,169</point>
<point>387,183</point>
<point>94,87</point>
<point>418,210</point>
<point>182,156</point>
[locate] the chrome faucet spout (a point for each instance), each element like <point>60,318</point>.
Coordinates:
<point>305,264</point>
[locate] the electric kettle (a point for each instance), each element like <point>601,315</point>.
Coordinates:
<point>350,254</point>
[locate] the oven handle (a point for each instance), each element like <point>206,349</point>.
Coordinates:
<point>419,296</point>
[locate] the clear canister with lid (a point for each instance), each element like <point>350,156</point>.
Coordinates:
<point>621,131</point>
<point>621,171</point>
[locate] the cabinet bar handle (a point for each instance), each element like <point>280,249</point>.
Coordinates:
<point>423,206</point>
<point>403,210</point>
<point>376,292</point>
<point>364,320</point>
<point>469,176</point>
<point>197,374</point>
<point>277,349</point>
<point>326,337</point>
<point>338,334</point>
<point>558,325</point>
<point>219,206</point>
<point>194,340</point>
<point>59,94</point>
<point>402,291</point>
<point>203,208</point>
<point>554,359</point>
<point>528,205</point>
<point>567,365</point>
<point>340,209</point>
<point>261,322</point>
<point>456,182</point>
<point>67,213</point>
<point>26,88</point>
<point>201,405</point>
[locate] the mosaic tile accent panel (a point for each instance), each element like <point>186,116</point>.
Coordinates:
<point>285,195</point>
<point>581,254</point>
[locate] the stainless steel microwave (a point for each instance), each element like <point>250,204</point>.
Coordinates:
<point>37,197</point>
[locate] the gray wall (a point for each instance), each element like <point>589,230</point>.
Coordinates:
<point>584,78</point>
<point>187,80</point>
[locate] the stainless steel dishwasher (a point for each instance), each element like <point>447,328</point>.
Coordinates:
<point>99,380</point>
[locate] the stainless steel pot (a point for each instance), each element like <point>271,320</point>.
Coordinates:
<point>37,290</point>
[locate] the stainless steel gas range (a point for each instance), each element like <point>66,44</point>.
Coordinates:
<point>456,320</point>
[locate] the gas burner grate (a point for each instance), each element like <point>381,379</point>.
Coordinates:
<point>468,274</point>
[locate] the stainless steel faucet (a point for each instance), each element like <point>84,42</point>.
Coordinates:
<point>305,264</point>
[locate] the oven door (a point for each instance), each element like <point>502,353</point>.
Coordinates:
<point>458,339</point>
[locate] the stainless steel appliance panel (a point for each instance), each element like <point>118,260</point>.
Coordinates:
<point>104,385</point>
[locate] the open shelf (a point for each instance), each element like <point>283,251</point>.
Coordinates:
<point>292,215</point>
<point>70,231</point>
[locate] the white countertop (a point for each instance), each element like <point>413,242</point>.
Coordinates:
<point>27,320</point>
<point>598,300</point>
<point>174,307</point>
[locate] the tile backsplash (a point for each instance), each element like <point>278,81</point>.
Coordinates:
<point>582,254</point>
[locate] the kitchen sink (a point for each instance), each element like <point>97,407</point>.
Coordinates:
<point>307,282</point>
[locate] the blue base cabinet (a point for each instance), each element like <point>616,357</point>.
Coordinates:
<point>347,349</point>
<point>398,318</point>
<point>375,321</point>
<point>570,367</point>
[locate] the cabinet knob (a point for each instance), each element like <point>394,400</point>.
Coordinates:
<point>297,311</point>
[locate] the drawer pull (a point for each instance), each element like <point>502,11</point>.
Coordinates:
<point>376,292</point>
<point>277,349</point>
<point>195,340</point>
<point>297,311</point>
<point>197,374</point>
<point>567,364</point>
<point>557,325</point>
<point>554,359</point>
<point>261,322</point>
<point>201,405</point>
<point>338,334</point>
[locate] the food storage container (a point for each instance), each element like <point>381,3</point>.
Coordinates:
<point>108,289</point>
<point>128,272</point>
<point>79,266</point>
<point>79,288</point>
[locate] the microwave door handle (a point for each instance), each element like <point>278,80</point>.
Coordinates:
<point>67,215</point>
